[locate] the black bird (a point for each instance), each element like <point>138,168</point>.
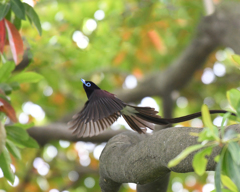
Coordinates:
<point>102,109</point>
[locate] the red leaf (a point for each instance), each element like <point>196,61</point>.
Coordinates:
<point>2,35</point>
<point>15,41</point>
<point>7,108</point>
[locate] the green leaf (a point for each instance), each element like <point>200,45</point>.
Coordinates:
<point>18,8</point>
<point>33,17</point>
<point>17,23</point>
<point>13,149</point>
<point>26,77</point>
<point>208,122</point>
<point>5,161</point>
<point>230,134</point>
<point>17,132</point>
<point>2,137</point>
<point>236,58</point>
<point>225,117</point>
<point>5,71</point>
<point>233,97</point>
<point>30,142</point>
<point>206,134</point>
<point>228,183</point>
<point>223,190</point>
<point>217,176</point>
<point>238,108</point>
<point>6,88</point>
<point>24,126</point>
<point>200,161</point>
<point>184,154</point>
<point>15,85</point>
<point>206,117</point>
<point>234,149</point>
<point>4,8</point>
<point>232,169</point>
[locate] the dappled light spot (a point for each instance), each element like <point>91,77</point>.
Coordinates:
<point>13,168</point>
<point>91,24</point>
<point>208,76</point>
<point>29,2</point>
<point>209,101</point>
<point>33,109</point>
<point>42,183</point>
<point>218,121</point>
<point>221,55</point>
<point>89,182</point>
<point>99,15</point>
<point>208,187</point>
<point>219,69</point>
<point>50,153</point>
<point>98,150</point>
<point>48,91</point>
<point>59,16</point>
<point>197,123</point>
<point>73,175</point>
<point>1,173</point>
<point>53,190</point>
<point>23,118</point>
<point>149,102</point>
<point>71,155</point>
<point>182,102</point>
<point>46,26</point>
<point>177,186</point>
<point>130,82</point>
<point>210,177</point>
<point>85,160</point>
<point>53,40</point>
<point>41,166</point>
<point>190,181</point>
<point>16,182</point>
<point>64,144</point>
<point>81,40</point>
<point>132,186</point>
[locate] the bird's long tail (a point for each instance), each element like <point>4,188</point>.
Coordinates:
<point>150,115</point>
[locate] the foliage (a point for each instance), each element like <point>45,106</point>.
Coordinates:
<point>134,37</point>
<point>227,169</point>
<point>13,136</point>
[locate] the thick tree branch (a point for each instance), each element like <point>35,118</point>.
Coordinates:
<point>143,159</point>
<point>60,131</point>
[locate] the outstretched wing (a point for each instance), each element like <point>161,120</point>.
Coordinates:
<point>100,111</point>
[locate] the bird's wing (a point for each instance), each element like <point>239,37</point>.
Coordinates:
<point>100,111</point>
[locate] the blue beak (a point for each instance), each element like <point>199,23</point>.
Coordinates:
<point>84,82</point>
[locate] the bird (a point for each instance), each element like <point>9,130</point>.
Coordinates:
<point>103,108</point>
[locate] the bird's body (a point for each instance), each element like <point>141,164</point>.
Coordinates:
<point>102,109</point>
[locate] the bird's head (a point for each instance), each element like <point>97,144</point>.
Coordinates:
<point>89,87</point>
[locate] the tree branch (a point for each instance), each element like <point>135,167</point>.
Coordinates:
<point>143,159</point>
<point>60,131</point>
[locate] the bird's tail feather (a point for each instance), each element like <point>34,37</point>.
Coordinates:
<point>150,115</point>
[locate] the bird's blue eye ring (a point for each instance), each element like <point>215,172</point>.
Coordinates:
<point>88,84</point>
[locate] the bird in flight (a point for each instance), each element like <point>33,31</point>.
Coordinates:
<point>103,108</point>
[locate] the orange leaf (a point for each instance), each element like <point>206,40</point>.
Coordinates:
<point>2,35</point>
<point>7,108</point>
<point>119,58</point>
<point>15,41</point>
<point>157,41</point>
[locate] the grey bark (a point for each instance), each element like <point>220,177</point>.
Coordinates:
<point>142,159</point>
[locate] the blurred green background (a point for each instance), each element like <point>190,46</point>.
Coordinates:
<point>115,44</point>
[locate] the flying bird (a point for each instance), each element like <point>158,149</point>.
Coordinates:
<point>103,108</point>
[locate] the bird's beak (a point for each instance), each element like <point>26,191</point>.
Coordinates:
<point>84,82</point>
